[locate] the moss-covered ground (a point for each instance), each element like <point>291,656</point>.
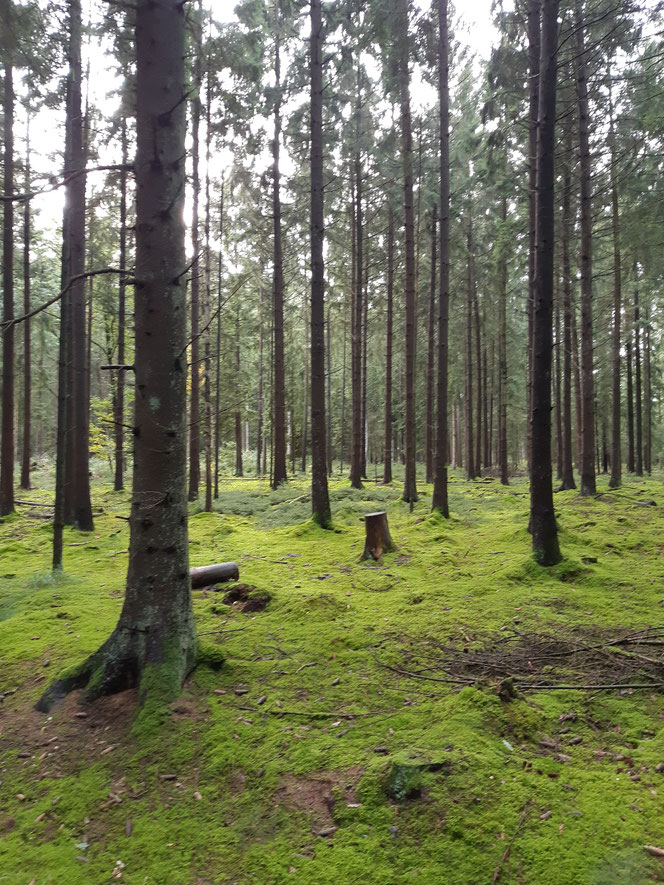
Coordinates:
<point>304,759</point>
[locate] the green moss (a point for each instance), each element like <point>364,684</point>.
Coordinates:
<point>330,711</point>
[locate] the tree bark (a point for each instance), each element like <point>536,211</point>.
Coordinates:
<point>357,441</point>
<point>479,431</point>
<point>588,486</point>
<point>279,472</point>
<point>194,361</point>
<point>118,404</point>
<point>429,405</point>
<point>378,539</point>
<point>320,501</point>
<point>502,353</point>
<point>469,438</point>
<point>217,384</point>
<point>403,43</point>
<point>7,450</point>
<point>638,407</point>
<point>389,296</point>
<point>207,303</point>
<point>542,516</point>
<point>533,28</point>
<point>616,454</point>
<point>27,344</point>
<point>630,402</point>
<point>567,479</point>
<point>239,468</point>
<point>154,643</point>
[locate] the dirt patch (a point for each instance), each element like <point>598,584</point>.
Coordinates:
<point>316,795</point>
<point>247,599</point>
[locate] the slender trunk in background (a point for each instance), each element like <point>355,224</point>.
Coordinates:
<point>305,389</point>
<point>647,396</point>
<point>479,432</point>
<point>259,403</point>
<point>588,485</point>
<point>279,473</point>
<point>217,383</point>
<point>567,479</point>
<point>558,389</point>
<point>542,516</point>
<point>80,509</point>
<point>342,429</point>
<point>328,392</point>
<point>431,335</point>
<point>320,501</point>
<point>578,396</point>
<point>403,43</point>
<point>485,396</point>
<point>616,453</point>
<point>356,330</point>
<point>630,402</point>
<point>194,358</point>
<point>7,452</point>
<point>389,295</point>
<point>365,337</point>
<point>27,348</point>
<point>207,303</point>
<point>469,439</point>
<point>502,352</point>
<point>237,389</point>
<point>118,404</point>
<point>534,9</point>
<point>638,462</point>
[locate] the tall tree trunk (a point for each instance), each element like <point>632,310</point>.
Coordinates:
<point>118,404</point>
<point>469,438</point>
<point>305,390</point>
<point>357,441</point>
<point>389,296</point>
<point>320,501</point>
<point>567,479</point>
<point>647,396</point>
<point>638,463</point>
<point>558,407</point>
<point>588,486</point>
<point>578,393</point>
<point>630,402</point>
<point>328,391</point>
<point>207,303</point>
<point>479,431</point>
<point>533,26</point>
<point>27,344</point>
<point>279,473</point>
<point>431,338</point>
<point>365,338</point>
<point>195,395</point>
<point>616,454</point>
<point>485,397</point>
<point>502,353</point>
<point>259,403</point>
<point>80,509</point>
<point>154,642</point>
<point>542,516</point>
<point>217,383</point>
<point>7,452</point>
<point>403,43</point>
<point>239,469</point>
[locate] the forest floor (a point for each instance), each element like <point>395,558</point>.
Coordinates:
<point>363,727</point>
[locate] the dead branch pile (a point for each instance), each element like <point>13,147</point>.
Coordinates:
<point>625,660</point>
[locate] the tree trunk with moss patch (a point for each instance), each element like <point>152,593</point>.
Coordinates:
<point>154,644</point>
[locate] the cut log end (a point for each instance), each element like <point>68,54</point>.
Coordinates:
<point>378,539</point>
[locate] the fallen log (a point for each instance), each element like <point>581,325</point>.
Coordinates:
<point>214,574</point>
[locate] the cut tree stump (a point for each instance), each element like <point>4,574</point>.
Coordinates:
<point>214,574</point>
<point>378,539</point>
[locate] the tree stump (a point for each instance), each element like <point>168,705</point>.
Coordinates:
<point>378,539</point>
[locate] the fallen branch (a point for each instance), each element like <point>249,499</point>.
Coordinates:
<point>506,853</point>
<point>8,324</point>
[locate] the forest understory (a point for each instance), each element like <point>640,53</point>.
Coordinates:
<point>369,723</point>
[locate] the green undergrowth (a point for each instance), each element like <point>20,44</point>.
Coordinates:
<point>298,752</point>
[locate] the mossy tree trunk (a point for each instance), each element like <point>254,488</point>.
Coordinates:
<point>154,643</point>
